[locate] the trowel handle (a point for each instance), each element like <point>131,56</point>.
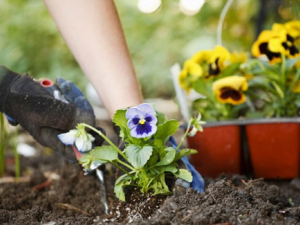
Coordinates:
<point>49,85</point>
<point>52,89</point>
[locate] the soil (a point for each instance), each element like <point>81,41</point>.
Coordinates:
<point>58,193</point>
<point>53,191</point>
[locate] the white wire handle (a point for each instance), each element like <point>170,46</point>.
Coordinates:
<point>221,21</point>
<point>184,108</point>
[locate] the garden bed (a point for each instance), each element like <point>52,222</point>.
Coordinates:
<point>58,193</point>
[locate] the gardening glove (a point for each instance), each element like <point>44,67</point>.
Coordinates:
<point>180,184</point>
<point>24,101</point>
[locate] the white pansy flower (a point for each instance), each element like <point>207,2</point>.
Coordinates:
<point>197,126</point>
<point>79,137</point>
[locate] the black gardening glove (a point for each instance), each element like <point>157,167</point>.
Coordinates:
<point>25,101</point>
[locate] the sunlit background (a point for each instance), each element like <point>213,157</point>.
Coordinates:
<point>159,33</point>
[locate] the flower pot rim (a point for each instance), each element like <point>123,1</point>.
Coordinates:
<point>240,122</point>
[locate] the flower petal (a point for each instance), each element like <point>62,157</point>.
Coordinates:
<point>87,147</point>
<point>142,131</point>
<point>133,122</point>
<point>68,138</point>
<point>193,132</point>
<point>90,137</point>
<point>80,144</point>
<point>151,119</point>
<point>133,112</point>
<point>146,108</point>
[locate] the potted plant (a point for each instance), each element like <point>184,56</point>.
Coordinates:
<point>221,85</point>
<point>247,94</point>
<point>274,146</point>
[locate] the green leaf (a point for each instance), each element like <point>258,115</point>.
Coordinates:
<point>138,156</point>
<point>104,154</point>
<point>118,189</point>
<point>161,118</point>
<point>165,130</point>
<point>278,89</point>
<point>159,185</point>
<point>168,157</point>
<point>185,175</point>
<point>254,115</point>
<point>229,70</point>
<point>203,87</point>
<point>86,160</point>
<point>289,63</point>
<point>119,118</point>
<point>169,168</point>
<point>122,178</point>
<point>153,159</point>
<point>121,182</point>
<point>184,152</point>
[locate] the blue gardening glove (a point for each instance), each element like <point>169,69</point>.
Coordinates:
<point>25,101</point>
<point>198,182</point>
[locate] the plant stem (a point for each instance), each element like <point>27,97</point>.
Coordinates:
<point>119,167</point>
<point>125,164</point>
<point>296,78</point>
<point>283,69</point>
<point>17,158</point>
<point>261,66</point>
<point>106,139</point>
<point>2,144</point>
<point>185,134</point>
<point>145,181</point>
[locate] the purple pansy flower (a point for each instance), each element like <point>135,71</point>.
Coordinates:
<point>141,120</point>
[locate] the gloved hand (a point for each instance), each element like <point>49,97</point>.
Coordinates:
<point>25,101</point>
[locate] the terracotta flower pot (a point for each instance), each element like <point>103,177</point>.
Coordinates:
<point>274,149</point>
<point>218,150</point>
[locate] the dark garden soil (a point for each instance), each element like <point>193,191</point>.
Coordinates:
<point>53,191</point>
<point>58,193</point>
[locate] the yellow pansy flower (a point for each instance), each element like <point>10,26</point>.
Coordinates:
<point>202,56</point>
<point>230,89</point>
<point>289,44</point>
<point>269,43</point>
<point>274,43</point>
<point>190,73</point>
<point>220,58</point>
<point>183,79</point>
<point>293,29</point>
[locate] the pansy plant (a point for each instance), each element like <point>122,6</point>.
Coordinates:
<point>276,82</point>
<point>147,160</point>
<point>217,76</point>
<point>233,87</point>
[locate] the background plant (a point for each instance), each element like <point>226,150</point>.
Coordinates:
<point>8,142</point>
<point>275,85</point>
<point>30,41</point>
<point>217,76</point>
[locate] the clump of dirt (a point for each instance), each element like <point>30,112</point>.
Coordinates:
<point>137,206</point>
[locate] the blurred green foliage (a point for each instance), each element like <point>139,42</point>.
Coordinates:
<point>30,41</point>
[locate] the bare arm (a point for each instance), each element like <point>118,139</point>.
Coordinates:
<point>94,34</point>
